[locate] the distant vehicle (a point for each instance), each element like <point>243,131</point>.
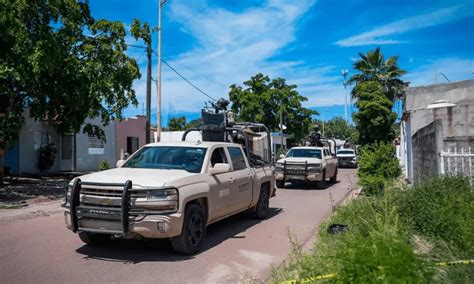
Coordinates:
<point>346,158</point>
<point>306,164</point>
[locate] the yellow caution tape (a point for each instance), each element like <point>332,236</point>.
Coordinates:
<point>457,262</point>
<point>309,280</point>
<point>330,276</point>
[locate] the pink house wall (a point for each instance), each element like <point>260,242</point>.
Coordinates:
<point>130,127</point>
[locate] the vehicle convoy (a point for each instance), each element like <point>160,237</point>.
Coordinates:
<point>172,190</point>
<point>313,163</point>
<point>346,157</point>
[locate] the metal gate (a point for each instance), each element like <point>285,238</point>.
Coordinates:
<point>457,162</point>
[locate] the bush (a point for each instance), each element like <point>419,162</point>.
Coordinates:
<point>104,165</point>
<point>379,160</point>
<point>372,185</point>
<point>47,155</point>
<point>442,208</point>
<point>375,248</point>
<point>377,165</point>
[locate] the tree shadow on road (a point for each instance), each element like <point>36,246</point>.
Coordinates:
<point>308,186</point>
<point>157,250</point>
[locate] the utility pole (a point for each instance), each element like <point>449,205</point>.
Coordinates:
<point>322,115</point>
<point>148,93</point>
<point>344,82</point>
<point>158,81</point>
<point>281,125</point>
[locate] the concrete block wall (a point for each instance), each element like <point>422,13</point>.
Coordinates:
<point>425,152</point>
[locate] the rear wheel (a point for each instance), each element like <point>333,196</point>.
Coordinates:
<point>333,179</point>
<point>94,239</point>
<point>280,183</point>
<point>193,233</point>
<point>261,210</point>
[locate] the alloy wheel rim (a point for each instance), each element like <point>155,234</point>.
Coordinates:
<point>195,230</point>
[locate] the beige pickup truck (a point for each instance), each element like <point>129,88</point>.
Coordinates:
<point>168,190</point>
<point>306,164</point>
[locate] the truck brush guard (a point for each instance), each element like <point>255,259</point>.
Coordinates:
<point>76,210</point>
<point>293,171</point>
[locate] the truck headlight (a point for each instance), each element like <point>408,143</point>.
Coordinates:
<point>164,200</point>
<point>314,167</point>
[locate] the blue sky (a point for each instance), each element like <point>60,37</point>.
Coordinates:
<point>216,43</point>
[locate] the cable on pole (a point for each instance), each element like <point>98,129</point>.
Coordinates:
<point>185,79</point>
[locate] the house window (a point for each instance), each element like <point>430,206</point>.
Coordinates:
<point>40,139</point>
<point>132,145</point>
<point>96,146</point>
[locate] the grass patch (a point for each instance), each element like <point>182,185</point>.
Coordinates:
<point>394,237</point>
<point>9,206</point>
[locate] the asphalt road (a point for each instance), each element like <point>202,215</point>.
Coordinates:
<point>238,249</point>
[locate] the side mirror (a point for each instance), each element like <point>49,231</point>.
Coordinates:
<point>282,156</point>
<point>219,168</point>
<point>120,163</point>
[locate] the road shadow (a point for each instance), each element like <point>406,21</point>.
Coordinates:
<point>308,186</point>
<point>160,250</point>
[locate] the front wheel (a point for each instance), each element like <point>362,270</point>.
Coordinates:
<point>322,182</point>
<point>194,229</point>
<point>94,239</point>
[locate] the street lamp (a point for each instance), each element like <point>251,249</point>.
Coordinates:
<point>158,81</point>
<point>344,73</point>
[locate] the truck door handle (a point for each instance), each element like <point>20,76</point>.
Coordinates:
<point>231,180</point>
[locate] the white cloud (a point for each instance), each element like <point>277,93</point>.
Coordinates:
<point>455,69</point>
<point>232,46</point>
<point>379,34</point>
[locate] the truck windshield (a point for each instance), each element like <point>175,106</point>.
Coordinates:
<point>304,153</point>
<point>169,158</point>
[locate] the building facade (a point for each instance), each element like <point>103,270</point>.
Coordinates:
<point>438,119</point>
<point>75,152</point>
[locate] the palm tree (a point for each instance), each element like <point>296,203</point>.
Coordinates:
<point>372,66</point>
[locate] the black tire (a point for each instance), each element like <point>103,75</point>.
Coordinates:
<point>322,182</point>
<point>261,209</point>
<point>333,179</point>
<point>280,183</point>
<point>94,239</point>
<point>193,233</point>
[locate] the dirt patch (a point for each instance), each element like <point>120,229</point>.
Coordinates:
<point>22,191</point>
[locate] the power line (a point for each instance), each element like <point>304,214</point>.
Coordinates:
<point>185,79</point>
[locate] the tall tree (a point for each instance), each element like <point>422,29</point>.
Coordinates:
<point>61,65</point>
<point>339,129</point>
<point>193,123</point>
<point>177,123</point>
<point>375,118</point>
<point>262,100</point>
<point>373,67</point>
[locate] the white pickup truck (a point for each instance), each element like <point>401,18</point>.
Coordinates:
<point>168,190</point>
<point>346,157</point>
<point>306,164</point>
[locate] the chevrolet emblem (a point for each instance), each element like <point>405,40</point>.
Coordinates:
<point>106,201</point>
